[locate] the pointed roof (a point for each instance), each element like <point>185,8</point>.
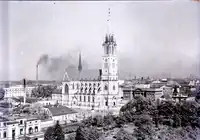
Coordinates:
<point>80,63</point>
<point>86,74</point>
<point>66,76</point>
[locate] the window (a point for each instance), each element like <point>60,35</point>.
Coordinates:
<point>13,134</point>
<point>90,90</point>
<point>66,89</point>
<point>114,103</point>
<point>88,98</point>
<point>106,103</point>
<point>113,65</point>
<point>80,98</point>
<point>21,131</point>
<point>106,65</point>
<point>105,87</point>
<point>30,130</point>
<point>73,86</point>
<point>93,99</point>
<point>4,134</point>
<point>36,129</point>
<point>113,87</point>
<point>84,98</point>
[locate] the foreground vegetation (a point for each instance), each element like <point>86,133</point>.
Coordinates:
<point>142,119</point>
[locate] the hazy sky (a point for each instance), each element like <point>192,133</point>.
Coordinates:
<point>152,37</point>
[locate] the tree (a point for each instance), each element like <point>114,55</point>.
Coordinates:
<point>49,134</point>
<point>144,127</point>
<point>139,105</point>
<point>58,132</point>
<point>44,91</point>
<point>87,133</point>
<point>54,133</point>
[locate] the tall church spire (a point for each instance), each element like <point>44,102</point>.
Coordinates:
<point>79,63</point>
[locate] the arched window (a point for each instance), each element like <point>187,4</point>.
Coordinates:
<point>36,129</point>
<point>105,87</point>
<point>30,130</point>
<point>66,89</point>
<point>113,87</point>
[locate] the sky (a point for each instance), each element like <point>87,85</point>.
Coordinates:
<point>160,37</point>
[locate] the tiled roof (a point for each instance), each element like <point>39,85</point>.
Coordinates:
<point>60,110</point>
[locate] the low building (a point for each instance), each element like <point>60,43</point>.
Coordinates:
<point>20,126</point>
<point>62,114</point>
<point>154,94</point>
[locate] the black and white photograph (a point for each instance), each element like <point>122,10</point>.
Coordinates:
<point>100,70</point>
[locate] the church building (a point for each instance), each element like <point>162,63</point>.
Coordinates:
<point>101,93</point>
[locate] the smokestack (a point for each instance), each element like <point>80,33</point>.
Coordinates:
<point>24,85</point>
<point>100,73</point>
<point>37,74</point>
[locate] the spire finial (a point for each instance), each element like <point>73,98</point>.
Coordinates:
<point>108,20</point>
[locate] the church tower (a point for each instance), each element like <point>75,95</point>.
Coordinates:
<point>109,58</point>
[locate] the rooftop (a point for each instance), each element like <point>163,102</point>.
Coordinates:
<point>60,110</point>
<point>89,74</point>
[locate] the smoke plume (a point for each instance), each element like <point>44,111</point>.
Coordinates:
<point>43,59</point>
<point>53,68</point>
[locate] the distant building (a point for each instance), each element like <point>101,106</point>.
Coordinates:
<point>16,91</point>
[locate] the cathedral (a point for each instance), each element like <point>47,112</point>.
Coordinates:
<point>101,93</point>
